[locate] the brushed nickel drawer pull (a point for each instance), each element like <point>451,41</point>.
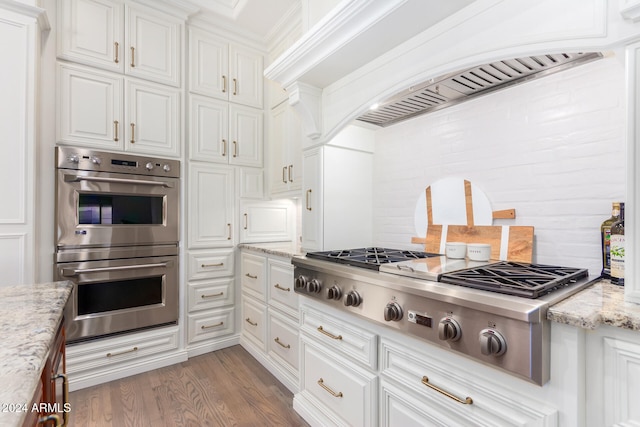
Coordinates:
<point>235,86</point>
<point>277,286</point>
<point>133,133</point>
<point>220,264</point>
<point>248,320</point>
<point>290,168</point>
<point>330,335</point>
<point>246,221</point>
<point>219,294</point>
<point>235,148</point>
<point>277,340</point>
<point>116,47</point>
<point>134,349</point>
<point>212,326</point>
<point>115,130</point>
<point>467,401</point>
<point>251,276</point>
<point>229,227</point>
<point>133,57</point>
<point>224,84</point>
<point>224,148</point>
<point>284,172</point>
<point>331,392</point>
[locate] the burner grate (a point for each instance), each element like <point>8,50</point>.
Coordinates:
<point>524,280</point>
<point>371,257</point>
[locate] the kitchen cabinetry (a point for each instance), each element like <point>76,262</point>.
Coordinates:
<point>337,196</point>
<point>266,221</point>
<point>18,155</point>
<point>613,379</point>
<point>356,373</point>
<point>210,203</point>
<point>119,37</point>
<point>285,151</point>
<point>270,315</point>
<point>221,132</point>
<point>104,110</point>
<point>224,70</point>
<point>98,361</point>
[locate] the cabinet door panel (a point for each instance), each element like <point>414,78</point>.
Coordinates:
<point>245,68</point>
<point>89,105</point>
<point>208,65</point>
<point>153,49</point>
<point>91,32</point>
<point>312,232</point>
<point>210,210</point>
<point>209,130</point>
<point>153,124</point>
<point>246,136</point>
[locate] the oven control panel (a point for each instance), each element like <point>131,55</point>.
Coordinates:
<point>91,160</point>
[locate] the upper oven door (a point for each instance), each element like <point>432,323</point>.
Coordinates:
<point>100,209</point>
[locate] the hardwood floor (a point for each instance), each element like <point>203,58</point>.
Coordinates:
<point>224,388</point>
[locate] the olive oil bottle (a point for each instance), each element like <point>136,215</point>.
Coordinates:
<point>617,249</point>
<point>605,235</point>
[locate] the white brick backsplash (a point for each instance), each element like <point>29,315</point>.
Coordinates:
<point>552,148</point>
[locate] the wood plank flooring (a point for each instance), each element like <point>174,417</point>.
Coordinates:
<point>224,388</point>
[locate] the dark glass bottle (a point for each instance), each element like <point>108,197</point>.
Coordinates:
<point>617,249</point>
<point>605,234</point>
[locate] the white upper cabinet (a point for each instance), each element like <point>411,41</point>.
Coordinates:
<point>285,151</point>
<point>220,69</point>
<point>92,112</point>
<point>121,38</point>
<point>221,132</point>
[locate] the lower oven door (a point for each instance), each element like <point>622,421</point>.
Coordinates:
<point>113,296</point>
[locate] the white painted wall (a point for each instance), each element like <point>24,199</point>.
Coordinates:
<point>553,149</point>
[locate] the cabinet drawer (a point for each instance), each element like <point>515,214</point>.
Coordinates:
<point>254,275</point>
<point>426,378</point>
<point>210,264</point>
<point>283,341</point>
<point>352,341</point>
<point>120,350</point>
<point>346,390</point>
<point>210,324</point>
<point>210,294</point>
<point>254,325</point>
<point>280,291</point>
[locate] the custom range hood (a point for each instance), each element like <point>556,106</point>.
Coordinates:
<point>454,88</point>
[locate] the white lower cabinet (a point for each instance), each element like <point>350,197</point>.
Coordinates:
<point>355,373</point>
<point>210,298</point>
<point>99,361</point>
<point>270,324</point>
<point>613,380</point>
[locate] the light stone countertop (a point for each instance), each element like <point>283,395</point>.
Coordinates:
<point>600,304</point>
<point>283,249</point>
<point>29,318</point>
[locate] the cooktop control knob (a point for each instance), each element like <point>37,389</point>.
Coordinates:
<point>392,312</point>
<point>301,282</point>
<point>492,342</point>
<point>352,299</point>
<point>449,329</point>
<point>334,292</point>
<point>314,286</point>
<point>149,166</point>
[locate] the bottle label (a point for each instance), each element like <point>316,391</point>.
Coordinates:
<point>607,247</point>
<point>616,250</point>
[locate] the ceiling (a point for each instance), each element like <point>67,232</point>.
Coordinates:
<point>257,17</point>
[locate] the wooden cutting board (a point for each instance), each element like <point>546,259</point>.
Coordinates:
<point>510,243</point>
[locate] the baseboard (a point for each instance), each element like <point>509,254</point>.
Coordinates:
<point>111,373</point>
<point>287,380</point>
<point>200,349</point>
<point>312,414</point>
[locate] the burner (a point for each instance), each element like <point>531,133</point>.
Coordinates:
<point>370,258</point>
<point>524,280</point>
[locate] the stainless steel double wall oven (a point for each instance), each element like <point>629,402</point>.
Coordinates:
<point>117,233</point>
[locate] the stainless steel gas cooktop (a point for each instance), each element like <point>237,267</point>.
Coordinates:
<point>493,312</point>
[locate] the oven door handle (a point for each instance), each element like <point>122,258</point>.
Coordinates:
<point>69,272</point>
<point>78,178</point>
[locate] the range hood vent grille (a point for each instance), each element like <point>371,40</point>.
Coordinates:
<point>457,87</point>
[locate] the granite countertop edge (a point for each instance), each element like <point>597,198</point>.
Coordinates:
<point>602,303</point>
<point>281,249</point>
<point>30,316</point>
